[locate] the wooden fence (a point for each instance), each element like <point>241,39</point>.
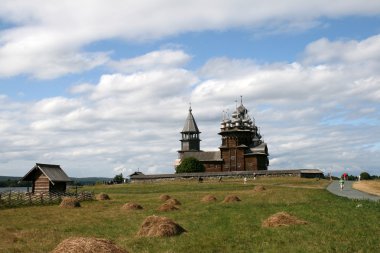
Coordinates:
<point>311,173</point>
<point>16,199</point>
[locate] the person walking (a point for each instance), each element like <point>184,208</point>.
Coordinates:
<point>341,183</point>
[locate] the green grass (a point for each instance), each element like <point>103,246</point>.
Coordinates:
<point>335,224</point>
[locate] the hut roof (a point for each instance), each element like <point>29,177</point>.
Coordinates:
<point>53,172</point>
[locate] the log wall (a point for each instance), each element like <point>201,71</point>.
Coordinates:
<point>41,184</point>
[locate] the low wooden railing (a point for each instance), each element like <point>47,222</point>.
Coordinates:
<point>16,199</point>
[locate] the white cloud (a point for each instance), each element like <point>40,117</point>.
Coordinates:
<point>352,51</point>
<point>55,105</point>
<point>48,39</point>
<point>322,115</point>
<point>145,85</point>
<point>156,60</point>
<point>44,53</point>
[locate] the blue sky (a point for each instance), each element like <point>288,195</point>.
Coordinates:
<point>105,89</point>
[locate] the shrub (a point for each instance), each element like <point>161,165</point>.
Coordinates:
<point>190,164</point>
<point>364,176</point>
<point>118,178</point>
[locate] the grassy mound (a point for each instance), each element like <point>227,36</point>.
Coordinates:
<point>87,245</point>
<point>282,219</point>
<point>173,202</point>
<point>103,196</point>
<point>167,207</point>
<point>259,188</point>
<point>156,226</point>
<point>208,198</point>
<point>131,206</point>
<point>164,197</point>
<point>231,199</point>
<point>68,202</point>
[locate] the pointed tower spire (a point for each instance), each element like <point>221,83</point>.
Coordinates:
<point>190,134</point>
<point>190,124</point>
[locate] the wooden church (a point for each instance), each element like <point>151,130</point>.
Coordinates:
<point>242,147</point>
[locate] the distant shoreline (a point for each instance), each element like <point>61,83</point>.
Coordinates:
<point>14,189</point>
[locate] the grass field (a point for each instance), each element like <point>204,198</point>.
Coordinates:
<point>335,224</point>
<point>370,186</point>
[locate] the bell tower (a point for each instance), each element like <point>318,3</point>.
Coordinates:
<point>190,135</point>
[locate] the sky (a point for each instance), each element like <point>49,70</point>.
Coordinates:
<point>104,87</point>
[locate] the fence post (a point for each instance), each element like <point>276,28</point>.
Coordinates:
<point>10,197</point>
<point>42,198</point>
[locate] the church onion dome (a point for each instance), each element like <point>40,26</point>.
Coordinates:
<point>242,111</point>
<point>240,119</point>
<point>190,124</point>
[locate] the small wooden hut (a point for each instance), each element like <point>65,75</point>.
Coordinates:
<point>47,178</point>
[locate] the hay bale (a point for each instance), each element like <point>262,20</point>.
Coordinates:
<point>164,197</point>
<point>259,188</point>
<point>231,198</point>
<point>208,198</point>
<point>167,207</point>
<point>87,245</point>
<point>173,202</point>
<point>156,226</point>
<point>103,196</point>
<point>132,206</point>
<point>68,202</point>
<point>282,219</point>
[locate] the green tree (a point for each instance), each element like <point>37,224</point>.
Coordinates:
<point>190,164</point>
<point>364,176</point>
<point>118,178</point>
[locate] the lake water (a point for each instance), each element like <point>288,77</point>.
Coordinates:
<point>14,189</point>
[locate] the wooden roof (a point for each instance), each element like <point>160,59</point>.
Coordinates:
<point>190,124</point>
<point>53,172</point>
<point>204,156</point>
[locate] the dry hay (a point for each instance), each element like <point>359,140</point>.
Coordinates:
<point>131,206</point>
<point>282,219</point>
<point>208,198</point>
<point>103,196</point>
<point>173,202</point>
<point>68,202</point>
<point>231,198</point>
<point>259,188</point>
<point>87,245</point>
<point>156,226</point>
<point>167,207</point>
<point>164,197</point>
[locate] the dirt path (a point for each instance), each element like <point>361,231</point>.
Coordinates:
<point>349,192</point>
